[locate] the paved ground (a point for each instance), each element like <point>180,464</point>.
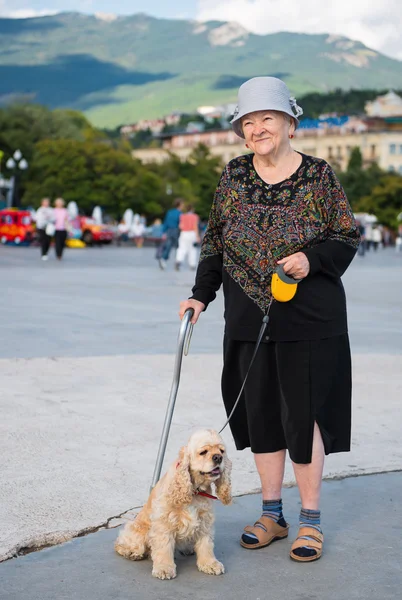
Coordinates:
<point>104,301</point>
<point>362,558</point>
<point>87,358</point>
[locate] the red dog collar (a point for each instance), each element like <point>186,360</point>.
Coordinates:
<point>206,495</point>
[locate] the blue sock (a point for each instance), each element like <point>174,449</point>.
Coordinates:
<point>310,518</point>
<point>271,509</point>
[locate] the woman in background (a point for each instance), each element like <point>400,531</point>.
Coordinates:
<point>61,224</point>
<point>44,217</point>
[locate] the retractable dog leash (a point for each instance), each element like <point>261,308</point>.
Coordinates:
<point>283,289</point>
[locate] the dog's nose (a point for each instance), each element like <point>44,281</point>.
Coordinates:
<point>217,458</point>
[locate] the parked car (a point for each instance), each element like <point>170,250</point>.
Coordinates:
<point>90,232</point>
<point>93,233</point>
<point>16,226</point>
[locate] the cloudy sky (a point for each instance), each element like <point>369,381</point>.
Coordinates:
<point>376,23</point>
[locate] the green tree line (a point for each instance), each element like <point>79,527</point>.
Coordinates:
<point>342,102</point>
<point>68,157</point>
<point>372,190</point>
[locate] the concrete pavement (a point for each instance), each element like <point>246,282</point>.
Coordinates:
<point>362,519</point>
<point>80,435</point>
<point>85,372</point>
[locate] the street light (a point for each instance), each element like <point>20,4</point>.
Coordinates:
<point>15,163</point>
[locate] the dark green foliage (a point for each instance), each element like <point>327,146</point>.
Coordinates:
<point>384,200</point>
<point>342,102</point>
<point>372,190</point>
<point>356,180</point>
<point>92,173</point>
<point>23,125</point>
<point>194,180</point>
<point>143,139</point>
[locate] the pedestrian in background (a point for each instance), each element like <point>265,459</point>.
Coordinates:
<point>376,238</point>
<point>362,246</point>
<point>137,230</point>
<point>61,224</point>
<point>171,231</point>
<point>44,217</point>
<point>189,239</point>
<point>122,232</point>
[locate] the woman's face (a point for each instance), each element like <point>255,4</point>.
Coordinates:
<point>266,131</point>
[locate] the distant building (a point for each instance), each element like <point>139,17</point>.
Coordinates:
<point>221,142</point>
<point>195,127</point>
<point>380,141</point>
<point>154,125</point>
<point>222,111</point>
<point>389,105</point>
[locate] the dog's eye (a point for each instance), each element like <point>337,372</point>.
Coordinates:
<point>203,452</point>
<point>222,451</point>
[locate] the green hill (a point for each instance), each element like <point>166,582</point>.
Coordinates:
<point>120,70</point>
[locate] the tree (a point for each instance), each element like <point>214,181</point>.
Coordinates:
<point>344,102</point>
<point>205,170</point>
<point>384,200</point>
<point>24,125</point>
<point>92,173</point>
<point>358,181</point>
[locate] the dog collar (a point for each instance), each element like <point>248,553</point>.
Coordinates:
<point>206,495</point>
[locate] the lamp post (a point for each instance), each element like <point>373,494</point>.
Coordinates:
<point>16,163</point>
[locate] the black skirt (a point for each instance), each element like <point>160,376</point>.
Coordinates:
<point>291,385</point>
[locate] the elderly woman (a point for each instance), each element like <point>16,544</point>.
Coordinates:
<point>276,206</point>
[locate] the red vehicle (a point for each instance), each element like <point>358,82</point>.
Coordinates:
<point>92,233</point>
<point>16,226</point>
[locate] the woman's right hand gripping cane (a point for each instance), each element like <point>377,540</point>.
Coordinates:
<point>196,305</point>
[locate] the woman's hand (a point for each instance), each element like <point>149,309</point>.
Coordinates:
<point>196,305</point>
<point>296,265</point>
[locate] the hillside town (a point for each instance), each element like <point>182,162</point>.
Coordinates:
<point>377,132</point>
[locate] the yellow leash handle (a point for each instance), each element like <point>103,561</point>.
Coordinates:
<point>283,287</point>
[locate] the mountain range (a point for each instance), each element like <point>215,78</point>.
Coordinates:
<point>120,69</point>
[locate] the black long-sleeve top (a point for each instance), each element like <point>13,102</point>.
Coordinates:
<point>252,225</point>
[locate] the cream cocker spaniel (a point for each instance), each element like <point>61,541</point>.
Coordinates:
<point>177,515</point>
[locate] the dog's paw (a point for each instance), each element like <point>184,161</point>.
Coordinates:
<point>164,571</point>
<point>129,552</point>
<point>211,568</point>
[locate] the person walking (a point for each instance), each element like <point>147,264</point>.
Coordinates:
<point>44,224</point>
<point>362,245</point>
<point>171,232</point>
<point>376,237</point>
<point>277,206</point>
<point>189,239</point>
<point>61,226</point>
<point>137,231</point>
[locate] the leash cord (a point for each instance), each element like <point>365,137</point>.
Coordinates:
<point>260,336</point>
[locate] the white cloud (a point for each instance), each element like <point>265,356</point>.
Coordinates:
<point>376,24</point>
<point>26,13</point>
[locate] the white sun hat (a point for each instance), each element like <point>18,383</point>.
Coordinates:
<point>264,93</point>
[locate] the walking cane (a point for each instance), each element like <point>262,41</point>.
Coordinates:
<point>183,344</point>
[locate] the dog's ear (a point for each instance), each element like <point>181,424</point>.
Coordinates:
<point>181,488</point>
<point>223,485</point>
